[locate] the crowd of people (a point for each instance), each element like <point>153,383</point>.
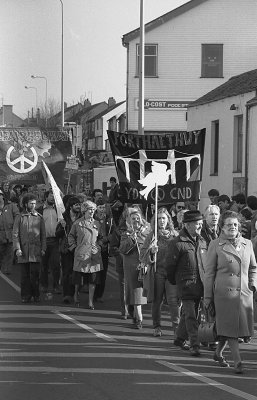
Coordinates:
<point>173,255</point>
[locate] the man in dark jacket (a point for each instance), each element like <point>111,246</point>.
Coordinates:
<point>8,212</point>
<point>71,214</point>
<point>185,269</point>
<point>51,259</point>
<point>29,245</point>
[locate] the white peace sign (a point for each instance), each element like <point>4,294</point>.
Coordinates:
<point>22,160</point>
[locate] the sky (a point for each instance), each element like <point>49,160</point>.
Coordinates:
<point>94,58</point>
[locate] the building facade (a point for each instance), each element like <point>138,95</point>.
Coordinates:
<point>188,52</point>
<point>229,115</point>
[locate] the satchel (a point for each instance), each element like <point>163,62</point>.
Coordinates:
<point>207,332</point>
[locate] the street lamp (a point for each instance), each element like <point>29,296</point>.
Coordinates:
<point>42,77</point>
<point>33,87</point>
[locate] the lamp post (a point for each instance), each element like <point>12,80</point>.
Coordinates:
<point>33,87</point>
<point>42,77</point>
<point>62,102</point>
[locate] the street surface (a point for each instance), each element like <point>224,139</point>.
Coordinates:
<point>52,351</point>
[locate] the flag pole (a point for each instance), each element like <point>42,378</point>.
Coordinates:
<point>155,222</point>
<point>141,71</point>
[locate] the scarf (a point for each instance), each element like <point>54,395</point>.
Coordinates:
<point>235,241</point>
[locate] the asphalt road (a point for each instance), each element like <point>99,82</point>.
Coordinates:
<point>53,352</point>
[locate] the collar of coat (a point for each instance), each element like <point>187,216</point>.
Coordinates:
<point>223,240</point>
<point>229,248</point>
<point>184,236</point>
<point>34,213</point>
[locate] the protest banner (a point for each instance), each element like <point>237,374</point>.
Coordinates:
<point>174,161</point>
<point>23,149</point>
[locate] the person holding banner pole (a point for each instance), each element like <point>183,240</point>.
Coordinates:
<point>131,242</point>
<point>154,255</point>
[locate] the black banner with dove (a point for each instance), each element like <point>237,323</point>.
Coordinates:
<point>173,161</point>
<point>23,149</point>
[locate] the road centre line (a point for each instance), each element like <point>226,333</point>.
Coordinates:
<point>11,283</point>
<point>208,381</point>
<point>86,327</point>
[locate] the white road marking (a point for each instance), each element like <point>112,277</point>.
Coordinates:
<point>11,283</point>
<point>209,381</point>
<point>86,327</point>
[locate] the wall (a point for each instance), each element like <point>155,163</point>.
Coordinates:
<point>202,117</point>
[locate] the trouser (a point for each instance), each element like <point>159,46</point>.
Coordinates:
<point>162,286</point>
<point>6,257</point>
<point>99,290</point>
<point>51,262</point>
<point>29,280</point>
<point>188,325</point>
<point>67,269</point>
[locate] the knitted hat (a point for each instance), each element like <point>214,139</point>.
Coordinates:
<point>192,215</point>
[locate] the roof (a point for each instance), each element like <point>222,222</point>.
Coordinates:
<point>239,84</point>
<point>162,20</point>
<point>102,113</point>
<point>85,110</point>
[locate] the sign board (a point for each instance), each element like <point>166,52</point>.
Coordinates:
<point>72,163</point>
<point>163,105</point>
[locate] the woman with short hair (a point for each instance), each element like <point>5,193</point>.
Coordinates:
<point>229,282</point>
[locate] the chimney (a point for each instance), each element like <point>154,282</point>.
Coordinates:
<point>87,103</point>
<point>65,105</point>
<point>111,102</point>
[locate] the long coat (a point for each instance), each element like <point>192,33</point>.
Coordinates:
<point>7,218</point>
<point>29,236</point>
<point>130,254</point>
<point>82,236</point>
<point>228,272</point>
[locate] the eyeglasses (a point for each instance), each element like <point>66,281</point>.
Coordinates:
<point>181,207</point>
<point>232,225</point>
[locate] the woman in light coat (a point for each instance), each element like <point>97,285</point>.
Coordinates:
<point>84,240</point>
<point>230,280</point>
<point>131,242</point>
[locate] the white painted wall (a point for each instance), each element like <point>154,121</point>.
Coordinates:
<point>230,22</point>
<point>202,117</point>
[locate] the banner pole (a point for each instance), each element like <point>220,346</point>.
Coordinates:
<point>156,222</point>
<point>68,184</point>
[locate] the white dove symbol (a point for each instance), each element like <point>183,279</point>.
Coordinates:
<point>159,175</point>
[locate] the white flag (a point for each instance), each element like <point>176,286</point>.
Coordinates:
<point>49,180</point>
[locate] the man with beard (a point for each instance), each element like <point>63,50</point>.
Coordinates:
<point>51,259</point>
<point>29,245</point>
<point>71,214</point>
<point>185,269</point>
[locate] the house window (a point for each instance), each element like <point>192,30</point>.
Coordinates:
<point>238,144</point>
<point>212,61</point>
<point>151,53</point>
<point>214,147</point>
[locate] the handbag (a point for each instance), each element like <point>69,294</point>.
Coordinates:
<point>142,271</point>
<point>207,332</point>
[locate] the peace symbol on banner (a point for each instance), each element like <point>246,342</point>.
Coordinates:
<point>22,161</point>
